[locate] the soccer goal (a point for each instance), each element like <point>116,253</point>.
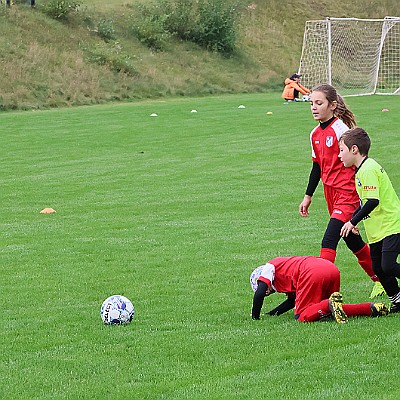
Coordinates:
<point>357,56</point>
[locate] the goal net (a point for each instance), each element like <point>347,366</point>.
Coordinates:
<point>357,56</point>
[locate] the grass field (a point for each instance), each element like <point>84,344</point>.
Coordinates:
<point>174,212</point>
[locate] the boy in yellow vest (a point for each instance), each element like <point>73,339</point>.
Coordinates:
<point>379,210</point>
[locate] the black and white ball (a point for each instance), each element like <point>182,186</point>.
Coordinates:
<point>117,310</point>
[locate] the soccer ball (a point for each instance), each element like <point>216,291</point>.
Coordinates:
<point>254,277</point>
<point>116,310</point>
<point>306,97</point>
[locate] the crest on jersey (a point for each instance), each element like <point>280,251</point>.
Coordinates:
<point>329,141</point>
<point>358,182</point>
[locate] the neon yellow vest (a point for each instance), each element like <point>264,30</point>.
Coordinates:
<point>372,182</point>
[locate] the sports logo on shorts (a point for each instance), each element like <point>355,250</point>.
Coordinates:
<point>329,141</point>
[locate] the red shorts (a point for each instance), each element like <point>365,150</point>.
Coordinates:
<point>341,204</point>
<point>317,280</point>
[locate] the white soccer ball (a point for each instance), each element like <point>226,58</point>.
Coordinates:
<point>116,310</point>
<point>254,277</point>
<point>306,97</point>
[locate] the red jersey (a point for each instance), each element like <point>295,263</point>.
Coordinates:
<point>325,151</point>
<point>308,279</point>
<point>282,273</point>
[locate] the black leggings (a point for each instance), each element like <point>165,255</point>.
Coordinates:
<point>384,262</point>
<point>332,236</point>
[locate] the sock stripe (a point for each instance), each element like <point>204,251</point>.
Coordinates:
<point>395,298</point>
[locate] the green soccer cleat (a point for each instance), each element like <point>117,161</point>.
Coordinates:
<point>377,290</point>
<point>336,307</point>
<point>379,310</point>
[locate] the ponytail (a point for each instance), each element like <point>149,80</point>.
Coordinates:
<point>343,112</point>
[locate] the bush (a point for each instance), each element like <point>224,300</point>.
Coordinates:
<point>110,56</point>
<point>181,17</point>
<point>216,29</point>
<point>148,26</point>
<point>208,23</point>
<point>105,29</point>
<point>151,32</point>
<point>59,9</point>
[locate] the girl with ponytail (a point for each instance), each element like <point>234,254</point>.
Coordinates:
<point>335,118</point>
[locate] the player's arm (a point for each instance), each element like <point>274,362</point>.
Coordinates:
<point>307,91</point>
<point>314,178</point>
<point>262,291</point>
<point>364,211</point>
<point>300,88</point>
<point>287,305</point>
<point>313,181</point>
<point>358,215</point>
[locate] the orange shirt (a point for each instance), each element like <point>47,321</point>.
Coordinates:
<point>290,86</point>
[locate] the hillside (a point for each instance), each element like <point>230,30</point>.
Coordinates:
<point>51,63</point>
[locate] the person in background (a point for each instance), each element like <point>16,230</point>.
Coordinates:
<point>312,287</point>
<point>8,3</point>
<point>379,210</point>
<point>293,88</point>
<point>335,118</point>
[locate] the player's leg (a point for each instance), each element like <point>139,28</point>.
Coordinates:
<point>315,312</point>
<point>315,284</point>
<point>362,251</point>
<point>331,236</point>
<point>365,309</point>
<point>390,251</point>
<point>341,206</point>
<point>335,307</point>
<point>391,268</point>
<point>330,240</point>
<point>389,282</point>
<point>355,243</point>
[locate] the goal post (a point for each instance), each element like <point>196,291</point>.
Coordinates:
<point>357,56</point>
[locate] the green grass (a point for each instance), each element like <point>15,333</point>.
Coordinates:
<point>174,212</point>
<point>49,64</point>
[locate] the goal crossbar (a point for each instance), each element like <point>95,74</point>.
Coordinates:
<point>357,56</point>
